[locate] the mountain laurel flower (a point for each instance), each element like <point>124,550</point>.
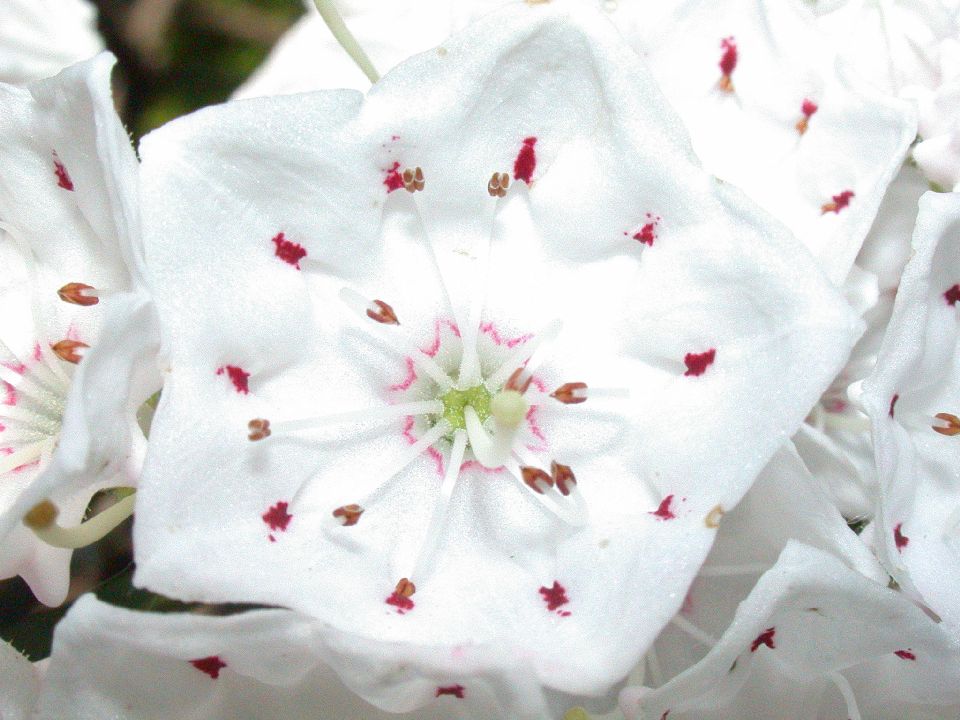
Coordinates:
<point>77,332</point>
<point>481,358</point>
<point>912,398</point>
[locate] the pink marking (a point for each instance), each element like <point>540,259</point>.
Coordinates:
<point>808,108</point>
<point>393,180</point>
<point>475,465</point>
<point>290,252</point>
<point>409,379</point>
<point>454,690</point>
<point>839,202</point>
<point>728,61</point>
<point>893,403</point>
<point>899,539</point>
<point>63,177</point>
<point>237,376</point>
<point>211,665</point>
<point>526,161</point>
<point>764,638</point>
<point>431,451</point>
<point>555,597</point>
<point>663,511</point>
<point>953,295</point>
<point>697,363</point>
<point>490,329</point>
<point>401,602</point>
<point>38,351</point>
<point>277,517</point>
<point>10,394</point>
<point>534,426</point>
<point>434,346</point>
<point>905,654</point>
<point>647,233</point>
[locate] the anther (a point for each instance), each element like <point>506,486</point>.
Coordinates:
<point>499,182</point>
<point>728,63</point>
<point>413,180</point>
<point>519,381</point>
<point>808,108</point>
<point>713,518</point>
<point>952,426</point>
<point>348,515</point>
<point>564,478</point>
<point>837,203</point>
<point>42,520</point>
<point>42,515</point>
<point>405,588</point>
<point>382,313</point>
<point>536,479</point>
<point>78,294</point>
<point>67,350</point>
<point>570,393</point>
<point>259,429</point>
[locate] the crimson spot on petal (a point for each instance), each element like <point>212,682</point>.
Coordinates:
<point>63,177</point>
<point>837,203</point>
<point>211,665</point>
<point>290,252</point>
<point>953,295</point>
<point>555,596</point>
<point>401,602</point>
<point>393,180</point>
<point>728,63</point>
<point>764,638</point>
<point>526,161</point>
<point>905,654</point>
<point>277,517</point>
<point>697,363</point>
<point>237,376</point>
<point>809,107</point>
<point>899,539</point>
<point>893,403</point>
<point>454,690</point>
<point>663,511</point>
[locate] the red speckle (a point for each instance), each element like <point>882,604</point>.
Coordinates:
<point>838,202</point>
<point>401,602</point>
<point>893,403</point>
<point>697,363</point>
<point>646,235</point>
<point>210,665</point>
<point>663,511</point>
<point>808,108</point>
<point>63,177</point>
<point>290,252</point>
<point>277,517</point>
<point>393,180</point>
<point>555,597</point>
<point>899,539</point>
<point>953,295</point>
<point>764,638</point>
<point>728,61</point>
<point>455,690</point>
<point>237,376</point>
<point>526,161</point>
<point>905,654</point>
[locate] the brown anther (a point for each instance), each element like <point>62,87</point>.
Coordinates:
<point>413,179</point>
<point>67,350</point>
<point>259,429</point>
<point>952,424</point>
<point>567,393</point>
<point>41,515</point>
<point>802,125</point>
<point>382,313</point>
<point>713,518</point>
<point>726,84</point>
<point>564,478</point>
<point>405,588</point>
<point>348,514</point>
<point>74,293</point>
<point>829,207</point>
<point>499,182</point>
<point>514,383</point>
<point>536,479</point>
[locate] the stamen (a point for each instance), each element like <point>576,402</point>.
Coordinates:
<point>526,355</point>
<point>382,313</point>
<point>519,381</point>
<point>348,515</point>
<point>259,429</point>
<point>853,712</point>
<point>42,520</point>
<point>563,477</point>
<point>571,510</point>
<point>78,293</point>
<point>732,570</point>
<point>952,426</point>
<point>714,517</point>
<point>25,456</point>
<point>498,185</point>
<point>386,412</point>
<point>491,452</point>
<point>328,11</point>
<point>440,508</point>
<point>536,479</point>
<point>67,350</point>
<point>693,631</point>
<point>413,180</point>
<point>570,393</point>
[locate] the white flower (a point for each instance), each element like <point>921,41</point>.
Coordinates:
<point>38,38</point>
<point>939,152</point>
<point>912,400</point>
<point>522,200</point>
<point>19,684</point>
<point>70,232</point>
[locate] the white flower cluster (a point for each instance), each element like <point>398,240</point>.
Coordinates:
<point>602,357</point>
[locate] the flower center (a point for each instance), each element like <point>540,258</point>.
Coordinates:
<point>456,401</point>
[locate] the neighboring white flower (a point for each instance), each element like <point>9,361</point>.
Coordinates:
<point>38,38</point>
<point>939,152</point>
<point>522,201</point>
<point>262,665</point>
<point>19,684</point>
<point>815,639</point>
<point>70,231</point>
<point>912,400</point>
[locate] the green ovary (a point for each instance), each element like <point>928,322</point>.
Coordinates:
<point>455,402</point>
